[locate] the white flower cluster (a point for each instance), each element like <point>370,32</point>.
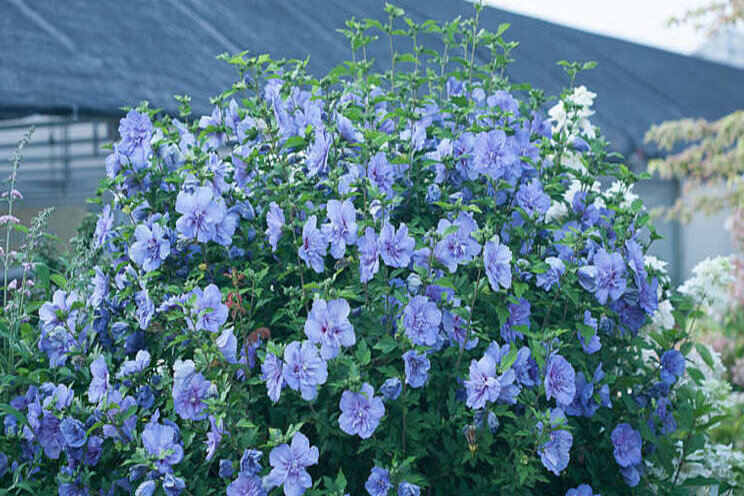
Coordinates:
<point>575,118</point>
<point>624,190</point>
<point>557,211</point>
<point>657,266</point>
<point>710,285</point>
<point>714,461</point>
<point>662,318</point>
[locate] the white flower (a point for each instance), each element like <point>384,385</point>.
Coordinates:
<point>577,186</point>
<point>558,116</point>
<point>659,267</point>
<point>715,461</point>
<point>654,263</point>
<point>663,318</point>
<point>582,96</point>
<point>626,191</point>
<point>649,356</point>
<point>557,211</point>
<point>573,188</point>
<point>575,121</point>
<point>572,161</point>
<point>710,285</point>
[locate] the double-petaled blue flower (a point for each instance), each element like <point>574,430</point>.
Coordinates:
<point>328,325</point>
<point>672,366</point>
<point>246,485</point>
<point>396,246</point>
<point>416,368</point>
<point>347,130</point>
<point>553,275</point>
<point>381,173</point>
<point>208,312</point>
<point>560,380</point>
<point>497,262</point>
<point>610,276</point>
<point>190,390</point>
<point>421,319</point>
<point>313,248</point>
<point>341,229</point>
<point>289,466</point>
<point>369,255</point>
<point>360,412</point>
<point>378,483</point>
<point>494,154</point>
<point>304,369</point>
<point>458,247</point>
<point>162,444</point>
<point>130,367</point>
<point>555,453</point>
<point>532,199</point>
<point>200,214</point>
<point>317,156</point>
<point>151,247</point>
<point>627,444</point>
<point>273,375</point>
<point>483,386</point>
<point>136,131</point>
<point>406,488</point>
<point>99,382</point>
<point>519,315</point>
<point>581,490</point>
<point>275,222</point>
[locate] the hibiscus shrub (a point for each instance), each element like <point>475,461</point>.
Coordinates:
<point>404,283</point>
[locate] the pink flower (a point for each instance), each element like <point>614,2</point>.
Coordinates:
<point>9,219</point>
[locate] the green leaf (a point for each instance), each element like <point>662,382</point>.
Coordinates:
<point>502,28</point>
<point>696,375</point>
<point>245,423</point>
<point>509,359</point>
<point>340,480</point>
<point>445,282</point>
<point>294,142</point>
<point>386,344</point>
<point>589,65</point>
<point>587,332</point>
<point>59,280</point>
<point>705,355</point>
<point>697,441</point>
<point>686,348</point>
<point>405,57</point>
<point>363,353</point>
<point>519,288</point>
<point>42,275</point>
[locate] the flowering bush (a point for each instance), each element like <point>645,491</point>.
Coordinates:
<point>396,283</point>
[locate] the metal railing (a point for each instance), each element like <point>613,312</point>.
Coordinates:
<point>64,160</point>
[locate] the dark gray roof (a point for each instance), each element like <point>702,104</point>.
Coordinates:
<point>94,57</point>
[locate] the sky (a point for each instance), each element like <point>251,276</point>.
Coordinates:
<point>641,21</point>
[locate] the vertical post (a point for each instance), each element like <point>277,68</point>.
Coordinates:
<point>95,138</point>
<point>678,249</point>
<point>65,156</point>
